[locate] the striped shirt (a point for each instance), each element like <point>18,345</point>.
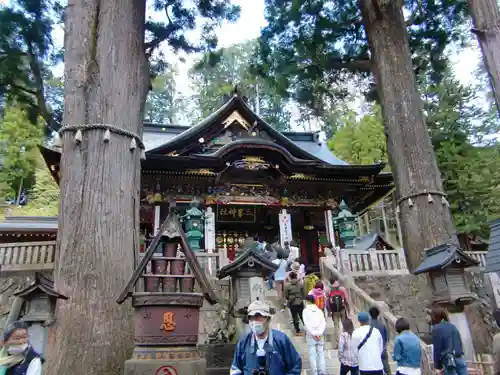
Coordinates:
<point>347,356</point>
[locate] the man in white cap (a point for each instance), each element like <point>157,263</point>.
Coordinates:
<point>264,350</point>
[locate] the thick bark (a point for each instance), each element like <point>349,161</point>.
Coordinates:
<point>486,18</point>
<point>411,154</point>
<point>106,79</point>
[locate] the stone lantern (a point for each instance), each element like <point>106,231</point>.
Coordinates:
<point>445,265</point>
<point>346,224</point>
<point>40,300</point>
<point>247,274</point>
<point>194,225</point>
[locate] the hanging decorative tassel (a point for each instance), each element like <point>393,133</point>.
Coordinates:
<point>429,198</point>
<point>143,154</point>
<point>133,144</point>
<point>410,202</point>
<point>107,136</point>
<point>78,136</point>
<point>57,140</point>
<point>445,202</point>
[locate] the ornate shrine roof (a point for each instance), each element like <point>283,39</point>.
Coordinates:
<point>234,139</point>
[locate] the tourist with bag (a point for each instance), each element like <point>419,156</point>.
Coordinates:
<point>447,344</point>
<point>369,345</point>
<point>318,292</point>
<point>338,306</point>
<point>374,314</point>
<point>407,351</point>
<point>294,295</point>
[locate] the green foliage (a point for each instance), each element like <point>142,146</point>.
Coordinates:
<point>163,104</point>
<point>44,197</point>
<point>19,140</point>
<point>216,75</point>
<point>468,158</point>
<point>309,47</point>
<point>360,141</point>
<point>25,52</point>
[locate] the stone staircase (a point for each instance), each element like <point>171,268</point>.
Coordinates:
<point>282,321</point>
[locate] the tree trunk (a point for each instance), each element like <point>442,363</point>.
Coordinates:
<point>411,154</point>
<point>106,82</point>
<point>486,18</point>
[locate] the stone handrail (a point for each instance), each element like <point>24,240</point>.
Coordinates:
<point>374,262</point>
<point>39,256</point>
<point>27,256</point>
<point>361,301</point>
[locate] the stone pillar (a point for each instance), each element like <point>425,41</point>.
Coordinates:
<point>330,231</point>
<point>157,223</point>
<point>457,317</point>
<point>285,227</point>
<point>210,235</point>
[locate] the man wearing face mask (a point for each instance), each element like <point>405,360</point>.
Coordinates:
<point>264,351</point>
<point>17,357</point>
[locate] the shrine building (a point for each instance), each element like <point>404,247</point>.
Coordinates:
<point>250,180</point>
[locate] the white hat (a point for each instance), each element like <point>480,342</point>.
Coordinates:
<point>259,308</point>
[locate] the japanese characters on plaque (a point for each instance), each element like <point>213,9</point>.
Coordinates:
<point>235,214</point>
<point>168,323</point>
<point>285,228</point>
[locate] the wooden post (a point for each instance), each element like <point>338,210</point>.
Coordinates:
<point>367,222</point>
<point>384,220</point>
<point>374,260</point>
<point>330,232</point>
<point>402,258</point>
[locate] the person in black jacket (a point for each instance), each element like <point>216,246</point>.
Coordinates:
<point>447,344</point>
<point>374,314</point>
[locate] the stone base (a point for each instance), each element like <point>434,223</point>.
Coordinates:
<point>165,361</point>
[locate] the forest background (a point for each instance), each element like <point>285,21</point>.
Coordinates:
<point>460,112</point>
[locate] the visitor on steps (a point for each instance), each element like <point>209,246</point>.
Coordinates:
<point>338,305</point>
<point>264,349</point>
<point>279,276</point>
<point>309,281</point>
<point>315,324</point>
<point>374,314</point>
<point>407,351</point>
<point>369,345</point>
<point>17,357</point>
<point>347,354</point>
<point>294,295</point>
<point>447,344</point>
<point>318,292</point>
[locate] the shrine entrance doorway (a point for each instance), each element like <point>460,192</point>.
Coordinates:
<point>235,223</point>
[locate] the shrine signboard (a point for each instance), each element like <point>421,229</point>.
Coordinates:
<point>236,214</point>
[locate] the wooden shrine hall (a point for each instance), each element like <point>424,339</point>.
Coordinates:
<point>248,180</point>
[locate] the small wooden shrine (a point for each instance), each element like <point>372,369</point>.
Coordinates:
<point>167,304</point>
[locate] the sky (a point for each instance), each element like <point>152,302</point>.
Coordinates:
<point>248,27</point>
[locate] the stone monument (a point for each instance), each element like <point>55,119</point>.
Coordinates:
<point>445,265</point>
<point>167,318</point>
<point>40,300</point>
<point>247,274</point>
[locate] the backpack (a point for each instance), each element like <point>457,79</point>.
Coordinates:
<point>320,302</point>
<point>336,300</point>
<point>294,295</point>
<point>309,282</point>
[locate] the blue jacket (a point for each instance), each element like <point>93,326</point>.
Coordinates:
<point>446,340</point>
<point>22,367</point>
<point>281,356</point>
<point>407,351</point>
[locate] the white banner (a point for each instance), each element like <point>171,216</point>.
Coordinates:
<point>495,285</point>
<point>209,230</point>
<point>285,227</point>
